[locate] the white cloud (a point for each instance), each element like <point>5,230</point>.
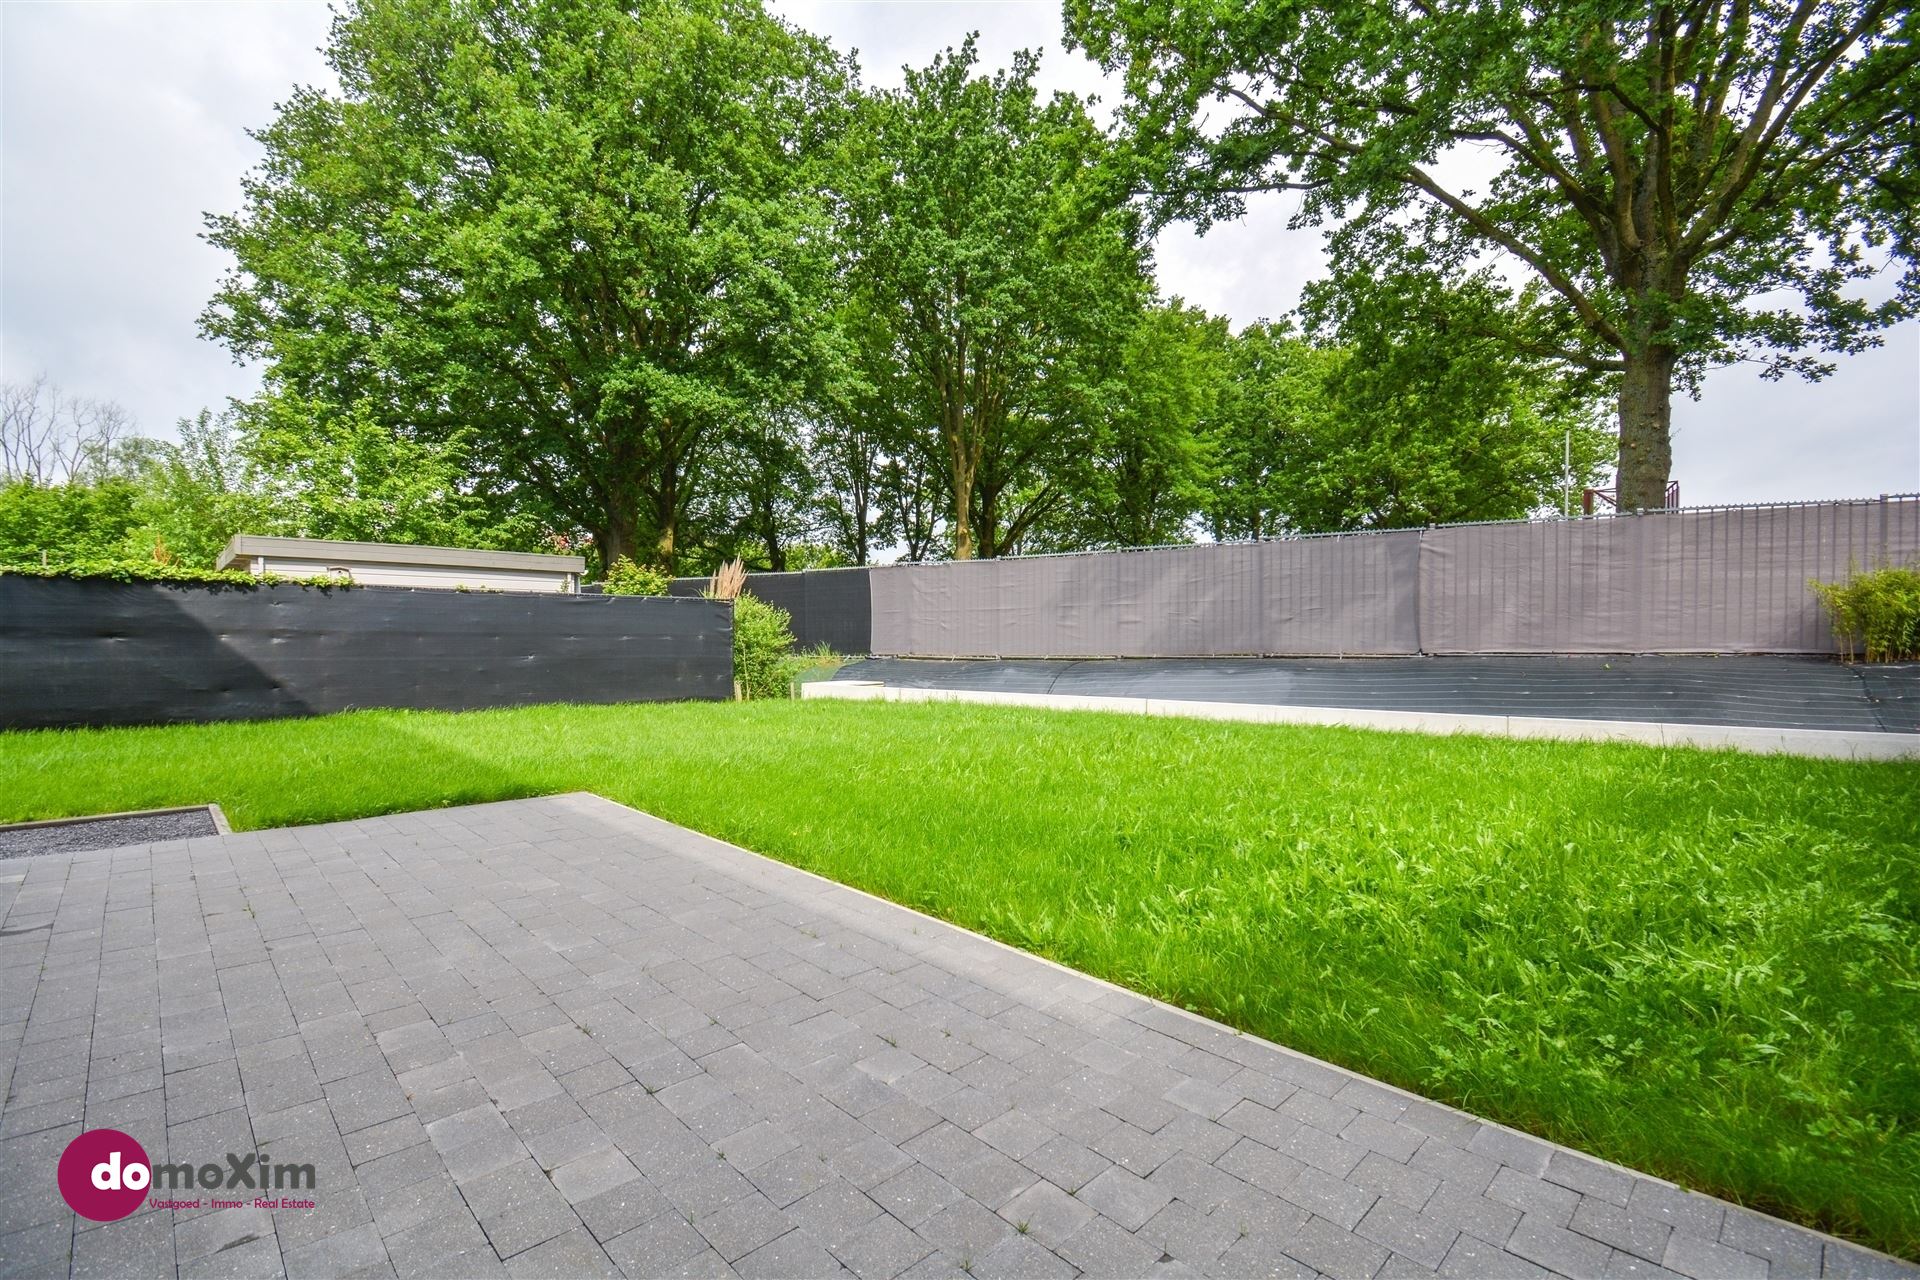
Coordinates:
<point>120,124</point>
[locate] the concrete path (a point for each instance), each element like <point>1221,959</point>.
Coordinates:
<point>558,1037</point>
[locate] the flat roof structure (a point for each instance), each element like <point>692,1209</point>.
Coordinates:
<point>401,564</point>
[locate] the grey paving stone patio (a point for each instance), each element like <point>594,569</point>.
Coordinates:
<point>557,1037</point>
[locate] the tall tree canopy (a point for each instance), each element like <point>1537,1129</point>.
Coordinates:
<point>1397,412</point>
<point>586,240</point>
<point>1689,183</point>
<point>1157,421</point>
<point>991,247</point>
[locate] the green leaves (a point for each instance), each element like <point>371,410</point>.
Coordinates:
<point>1687,186</point>
<point>995,272</point>
<point>579,242</point>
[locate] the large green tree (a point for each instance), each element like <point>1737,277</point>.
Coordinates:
<point>1690,183</point>
<point>1397,410</point>
<point>991,245</point>
<point>1276,397</point>
<point>584,238</point>
<point>1156,416</point>
<point>1426,417</point>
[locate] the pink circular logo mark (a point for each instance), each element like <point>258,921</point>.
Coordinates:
<point>104,1175</point>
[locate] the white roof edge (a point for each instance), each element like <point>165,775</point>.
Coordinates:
<point>243,546</point>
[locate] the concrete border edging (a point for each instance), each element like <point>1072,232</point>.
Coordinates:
<point>1827,744</point>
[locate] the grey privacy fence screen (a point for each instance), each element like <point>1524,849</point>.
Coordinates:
<point>828,606</point>
<point>1353,594</point>
<point>1725,580</point>
<point>90,652</point>
<point>1706,580</point>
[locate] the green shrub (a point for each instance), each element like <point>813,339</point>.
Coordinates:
<point>151,571</point>
<point>629,579</point>
<point>762,648</point>
<point>1881,607</point>
<point>64,522</point>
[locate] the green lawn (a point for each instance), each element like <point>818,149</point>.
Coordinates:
<point>1704,965</point>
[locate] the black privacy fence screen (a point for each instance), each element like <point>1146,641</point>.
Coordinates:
<point>94,652</point>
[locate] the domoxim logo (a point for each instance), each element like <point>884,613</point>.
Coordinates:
<point>104,1175</point>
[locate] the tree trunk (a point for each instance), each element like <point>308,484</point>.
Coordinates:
<point>770,534</point>
<point>1646,429</point>
<point>617,541</point>
<point>666,519</point>
<point>962,512</point>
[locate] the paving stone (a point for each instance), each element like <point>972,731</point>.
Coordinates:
<point>1848,1262</point>
<point>1100,1248</point>
<point>385,1138</point>
<point>1589,1177</point>
<point>249,1261</point>
<point>915,1194</point>
<point>1542,1240</point>
<point>568,1143</point>
<point>1408,1233</point>
<point>1123,1197</point>
<point>405,1207</point>
<point>1066,1163</point>
<point>793,1254</point>
<point>1789,1250</point>
<point>42,1250</point>
<point>1189,1235</point>
<point>737,1229</point>
<point>750,1148</point>
<point>1644,1237</point>
<point>1400,1183</point>
<point>1334,1251</point>
<point>1705,1260</point>
<point>1515,1150</point>
<point>1544,1200</point>
<point>881,1250</point>
<point>339,1254</point>
<point>1047,1213</point>
<point>1474,1259</point>
<point>1460,1169</point>
<point>1473,1214</point>
<point>833,1213</point>
<point>788,1177</point>
<point>593,1175</point>
<point>619,1210</point>
<point>993,1179</point>
<point>1626,1266</point>
<point>139,1245</point>
<point>1019,1258</point>
<point>208,1233</point>
<point>1014,1133</point>
<point>565,1257</point>
<point>518,1230</point>
<point>1261,1256</point>
<point>658,1247</point>
<point>1268,1170</point>
<point>965,1230</point>
<point>1211,1101</point>
<point>1684,1211</point>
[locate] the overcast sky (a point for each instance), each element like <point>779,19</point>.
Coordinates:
<point>121,124</point>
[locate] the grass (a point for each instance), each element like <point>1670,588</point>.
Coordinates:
<point>1704,965</point>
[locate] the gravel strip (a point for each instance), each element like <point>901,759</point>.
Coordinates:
<point>105,833</point>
